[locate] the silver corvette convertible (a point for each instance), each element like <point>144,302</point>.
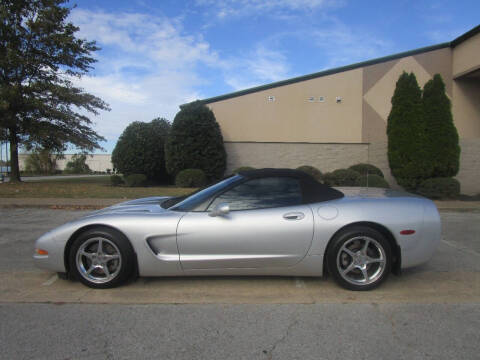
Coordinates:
<point>259,222</point>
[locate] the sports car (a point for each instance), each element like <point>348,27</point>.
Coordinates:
<point>259,222</point>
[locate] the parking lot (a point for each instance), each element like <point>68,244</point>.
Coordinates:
<point>431,311</point>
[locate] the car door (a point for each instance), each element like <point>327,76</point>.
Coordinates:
<point>266,226</point>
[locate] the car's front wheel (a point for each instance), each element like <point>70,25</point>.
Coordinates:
<point>101,258</point>
<point>359,258</point>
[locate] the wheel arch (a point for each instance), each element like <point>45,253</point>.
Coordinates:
<point>396,251</point>
<point>85,228</point>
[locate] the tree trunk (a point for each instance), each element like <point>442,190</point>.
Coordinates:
<point>14,168</point>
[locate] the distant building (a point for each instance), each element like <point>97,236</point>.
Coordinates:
<point>336,118</point>
<point>96,162</point>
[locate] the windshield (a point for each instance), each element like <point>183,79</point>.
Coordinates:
<point>198,198</point>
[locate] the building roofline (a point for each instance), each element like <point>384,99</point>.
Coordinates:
<point>465,36</point>
<point>294,80</point>
<point>325,72</point>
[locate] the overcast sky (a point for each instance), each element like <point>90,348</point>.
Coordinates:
<point>159,54</point>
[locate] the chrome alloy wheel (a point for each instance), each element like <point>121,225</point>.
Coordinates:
<point>361,260</point>
<point>98,260</point>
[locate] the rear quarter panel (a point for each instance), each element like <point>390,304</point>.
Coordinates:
<point>395,214</point>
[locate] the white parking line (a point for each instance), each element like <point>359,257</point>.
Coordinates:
<point>51,280</point>
<point>460,247</point>
<point>299,283</point>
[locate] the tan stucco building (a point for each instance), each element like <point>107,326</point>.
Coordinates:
<point>336,118</point>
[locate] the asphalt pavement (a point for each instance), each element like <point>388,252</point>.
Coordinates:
<point>429,312</point>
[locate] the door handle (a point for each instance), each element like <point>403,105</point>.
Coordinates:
<point>294,216</point>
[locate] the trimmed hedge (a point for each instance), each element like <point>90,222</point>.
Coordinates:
<point>242,168</point>
<point>374,181</point>
<point>342,177</point>
<point>116,180</point>
<point>440,188</point>
<point>363,169</point>
<point>191,178</point>
<point>140,150</point>
<point>135,180</point>
<point>312,171</point>
<point>196,142</point>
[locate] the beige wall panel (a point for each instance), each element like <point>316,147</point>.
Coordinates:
<point>469,173</point>
<point>373,73</point>
<point>291,117</point>
<point>438,62</point>
<point>374,127</point>
<point>466,107</point>
<point>380,95</point>
<point>466,56</point>
<point>325,157</point>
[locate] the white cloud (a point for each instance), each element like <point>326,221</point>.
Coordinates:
<point>152,38</point>
<point>147,67</point>
<point>343,46</point>
<point>256,68</point>
<point>229,8</point>
<point>445,35</point>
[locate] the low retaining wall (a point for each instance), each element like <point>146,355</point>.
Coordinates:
<point>329,157</point>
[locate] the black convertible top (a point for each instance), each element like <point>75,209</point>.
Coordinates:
<point>312,190</point>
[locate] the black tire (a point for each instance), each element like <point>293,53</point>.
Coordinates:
<point>116,256</point>
<point>355,267</point>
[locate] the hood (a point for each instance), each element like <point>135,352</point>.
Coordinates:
<point>143,205</point>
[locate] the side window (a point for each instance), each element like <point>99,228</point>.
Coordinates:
<point>262,193</point>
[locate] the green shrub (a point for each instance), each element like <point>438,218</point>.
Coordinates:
<point>77,165</point>
<point>311,170</point>
<point>41,162</point>
<point>140,150</point>
<point>373,181</point>
<point>116,180</point>
<point>191,178</point>
<point>442,136</point>
<point>135,180</point>
<point>242,168</point>
<point>196,142</point>
<point>406,132</point>
<point>440,188</point>
<point>342,177</point>
<point>363,169</point>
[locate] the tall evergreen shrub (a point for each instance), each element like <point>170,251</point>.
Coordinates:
<point>140,150</point>
<point>406,132</point>
<point>442,136</point>
<point>196,142</point>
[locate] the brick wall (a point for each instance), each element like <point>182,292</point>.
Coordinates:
<point>469,174</point>
<point>325,157</point>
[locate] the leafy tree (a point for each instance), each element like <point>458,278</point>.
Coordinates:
<point>140,150</point>
<point>40,56</point>
<point>406,131</point>
<point>196,142</point>
<point>77,165</point>
<point>442,136</point>
<point>41,161</point>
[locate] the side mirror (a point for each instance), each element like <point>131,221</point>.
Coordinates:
<point>220,210</point>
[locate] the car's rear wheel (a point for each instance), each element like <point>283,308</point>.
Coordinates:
<point>359,258</point>
<point>101,258</point>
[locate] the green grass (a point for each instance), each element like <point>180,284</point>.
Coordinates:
<point>86,187</point>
